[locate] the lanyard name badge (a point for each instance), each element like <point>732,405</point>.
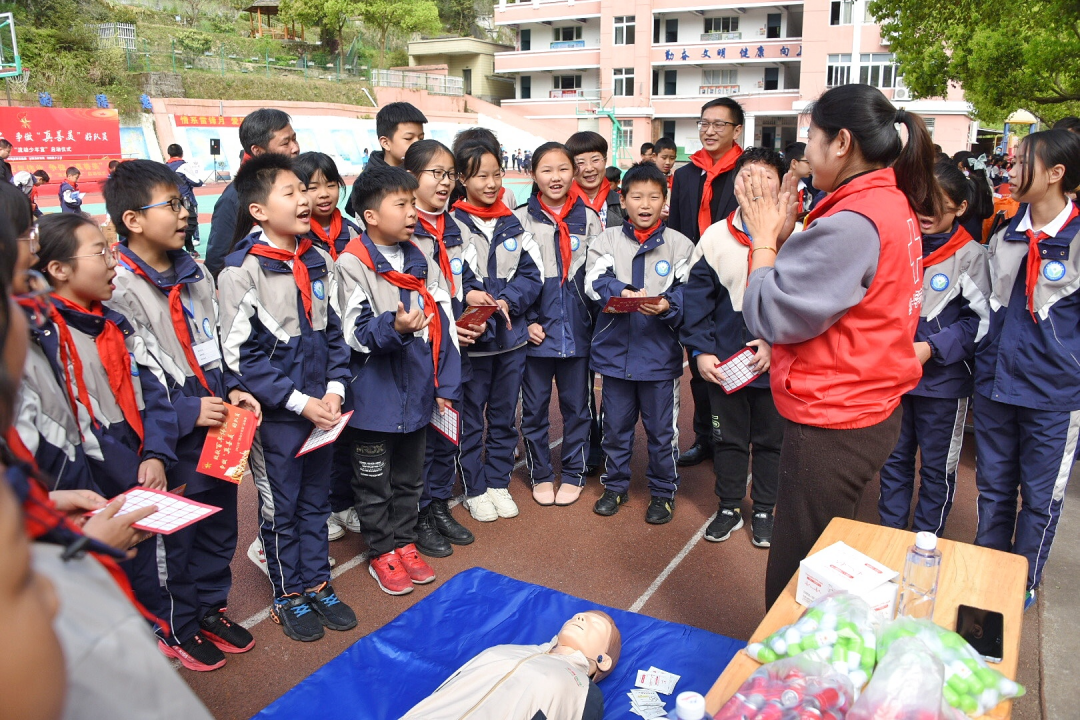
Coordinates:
<point>206,352</point>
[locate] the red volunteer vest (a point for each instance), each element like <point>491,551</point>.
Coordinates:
<point>854,373</point>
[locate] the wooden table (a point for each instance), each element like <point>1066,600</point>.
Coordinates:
<point>970,575</point>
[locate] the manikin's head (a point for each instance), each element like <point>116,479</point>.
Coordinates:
<point>594,634</point>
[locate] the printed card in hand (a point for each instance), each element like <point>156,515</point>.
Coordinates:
<point>738,370</point>
<point>225,452</point>
<point>446,422</point>
<point>320,437</point>
<point>476,315</point>
<point>619,305</point>
<point>173,512</point>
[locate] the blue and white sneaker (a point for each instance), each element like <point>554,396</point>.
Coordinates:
<point>296,616</point>
<point>1029,599</point>
<point>332,613</point>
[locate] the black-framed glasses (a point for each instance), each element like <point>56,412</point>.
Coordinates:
<point>717,125</point>
<point>175,204</point>
<point>441,175</point>
<point>106,254</point>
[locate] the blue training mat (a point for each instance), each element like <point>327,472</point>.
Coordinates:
<point>384,674</point>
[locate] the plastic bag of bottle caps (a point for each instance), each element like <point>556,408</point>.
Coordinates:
<point>906,685</point>
<point>796,688</point>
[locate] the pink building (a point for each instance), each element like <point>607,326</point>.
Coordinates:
<point>652,64</point>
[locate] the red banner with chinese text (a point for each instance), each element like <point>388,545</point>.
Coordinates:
<point>207,121</point>
<point>43,134</point>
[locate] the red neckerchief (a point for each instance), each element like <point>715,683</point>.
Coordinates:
<point>712,170</point>
<point>959,239</point>
<point>565,251</point>
<point>670,182</point>
<point>598,204</point>
<point>406,281</point>
<point>1034,263</point>
<point>172,158</point>
<point>743,239</point>
<point>437,231</point>
<point>69,361</point>
<point>497,209</point>
<point>330,238</point>
<point>40,516</point>
<point>113,352</point>
<point>299,269</point>
<point>74,186</point>
<point>643,235</point>
<point>179,322</point>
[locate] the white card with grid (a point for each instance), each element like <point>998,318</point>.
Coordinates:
<point>173,512</point>
<point>738,371</point>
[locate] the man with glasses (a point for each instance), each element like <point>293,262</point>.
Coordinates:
<point>703,192</point>
<point>800,167</point>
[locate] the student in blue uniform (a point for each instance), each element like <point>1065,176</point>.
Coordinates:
<point>71,199</point>
<point>282,341</point>
<point>639,353</point>
<point>954,317</point>
<point>560,326</point>
<point>1027,381</point>
<point>508,270</point>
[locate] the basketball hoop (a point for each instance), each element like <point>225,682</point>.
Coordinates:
<point>10,60</point>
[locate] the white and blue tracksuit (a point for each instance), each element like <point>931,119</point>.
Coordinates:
<point>277,354</point>
<point>1027,384</point>
<point>955,316</point>
<point>639,356</point>
<point>506,263</point>
<point>566,315</point>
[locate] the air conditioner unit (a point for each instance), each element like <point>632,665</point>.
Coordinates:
<point>901,93</point>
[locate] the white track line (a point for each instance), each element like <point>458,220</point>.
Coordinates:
<point>640,602</point>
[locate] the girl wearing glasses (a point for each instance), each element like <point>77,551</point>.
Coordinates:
<point>441,237</point>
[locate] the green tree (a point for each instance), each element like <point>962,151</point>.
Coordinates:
<point>458,16</point>
<point>405,16</point>
<point>330,16</point>
<point>1005,54</point>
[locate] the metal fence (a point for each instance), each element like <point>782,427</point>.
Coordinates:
<point>434,84</point>
<point>121,35</point>
<point>222,62</point>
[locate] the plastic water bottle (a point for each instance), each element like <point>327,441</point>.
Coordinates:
<point>921,570</point>
<point>689,706</point>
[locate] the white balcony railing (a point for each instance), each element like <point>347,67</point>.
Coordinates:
<point>718,90</point>
<point>720,36</point>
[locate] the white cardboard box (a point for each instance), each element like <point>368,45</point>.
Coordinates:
<point>840,567</point>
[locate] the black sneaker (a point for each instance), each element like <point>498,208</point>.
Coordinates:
<point>726,522</point>
<point>761,529</point>
<point>609,502</point>
<point>225,634</point>
<point>660,511</point>
<point>429,540</point>
<point>447,526</point>
<point>332,613</point>
<point>297,617</point>
<point>198,653</point>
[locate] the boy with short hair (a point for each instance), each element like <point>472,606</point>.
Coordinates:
<point>397,320</point>
<point>795,153</point>
<point>5,167</point>
<point>71,199</point>
<point>282,342</point>
<point>713,330</point>
<point>639,353</point>
<point>648,152</point>
<point>589,151</point>
<point>398,126</point>
<point>666,153</point>
<point>170,301</point>
<point>188,176</point>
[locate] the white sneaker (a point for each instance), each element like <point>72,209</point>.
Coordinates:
<point>334,529</point>
<point>333,562</point>
<point>481,508</point>
<point>348,519</point>
<point>504,504</point>
<point>256,555</point>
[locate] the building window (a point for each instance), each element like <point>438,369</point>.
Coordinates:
<point>656,30</point>
<point>623,82</point>
<point>526,87</point>
<point>838,70</point>
<point>878,69</point>
<point>525,39</point>
<point>624,29</point>
<point>772,79</point>
<point>626,136</point>
<point>568,34</point>
<point>929,125</point>
<point>671,30</point>
<point>671,78</point>
<point>840,12</point>
<point>669,130</point>
<point>720,77</point>
<point>722,24</point>
<point>566,82</point>
<point>772,26</point>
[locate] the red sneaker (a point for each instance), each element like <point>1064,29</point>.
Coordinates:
<point>388,572</point>
<point>419,571</point>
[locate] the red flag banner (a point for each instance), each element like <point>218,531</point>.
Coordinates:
<point>44,134</point>
<point>207,121</point>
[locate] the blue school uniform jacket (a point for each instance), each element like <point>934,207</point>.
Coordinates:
<point>70,202</point>
<point>562,309</point>
<point>508,267</point>
<point>954,317</point>
<point>393,375</point>
<point>1020,361</point>
<point>349,230</point>
<point>633,346</point>
<point>713,295</point>
<point>268,344</point>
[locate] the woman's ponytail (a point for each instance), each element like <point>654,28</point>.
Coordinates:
<point>914,166</point>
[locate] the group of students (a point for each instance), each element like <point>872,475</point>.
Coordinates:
<point>135,348</point>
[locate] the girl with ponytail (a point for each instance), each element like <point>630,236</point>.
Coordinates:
<point>839,303</point>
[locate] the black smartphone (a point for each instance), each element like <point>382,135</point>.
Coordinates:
<point>983,629</point>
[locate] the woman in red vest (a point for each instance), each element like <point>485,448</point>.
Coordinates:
<point>840,306</point>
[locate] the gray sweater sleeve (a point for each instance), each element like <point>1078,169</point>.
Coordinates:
<point>820,274</point>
